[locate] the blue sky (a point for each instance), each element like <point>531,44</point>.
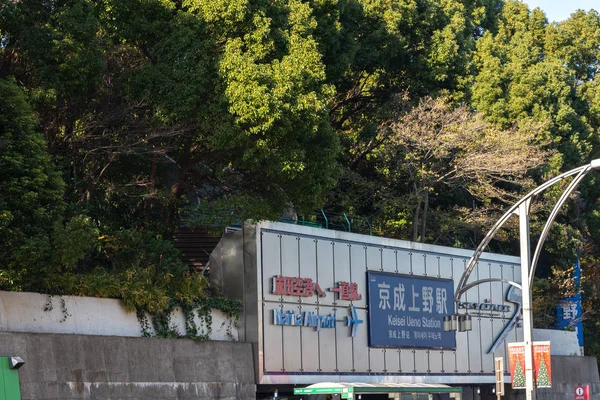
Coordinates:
<point>559,10</point>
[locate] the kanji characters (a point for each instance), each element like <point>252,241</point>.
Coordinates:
<point>399,297</point>
<point>384,295</point>
<point>292,286</point>
<point>347,291</point>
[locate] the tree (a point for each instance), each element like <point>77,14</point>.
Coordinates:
<point>35,240</point>
<point>31,189</point>
<point>168,102</point>
<point>531,70</point>
<point>441,158</point>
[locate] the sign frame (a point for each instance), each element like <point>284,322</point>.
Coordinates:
<point>499,368</point>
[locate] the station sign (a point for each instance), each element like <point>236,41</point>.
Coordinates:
<point>407,311</point>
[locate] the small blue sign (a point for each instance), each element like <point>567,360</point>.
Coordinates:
<point>569,312</point>
<point>408,311</point>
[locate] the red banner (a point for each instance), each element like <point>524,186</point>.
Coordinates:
<point>541,364</point>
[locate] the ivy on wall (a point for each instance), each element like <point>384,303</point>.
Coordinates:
<point>201,308</point>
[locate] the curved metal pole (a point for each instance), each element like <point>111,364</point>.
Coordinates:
<point>551,218</point>
<point>513,210</point>
<point>522,208</point>
<point>479,282</point>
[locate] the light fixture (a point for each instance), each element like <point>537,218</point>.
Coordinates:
<point>447,323</point>
<point>465,323</point>
<point>15,362</point>
<point>468,322</point>
<point>454,322</point>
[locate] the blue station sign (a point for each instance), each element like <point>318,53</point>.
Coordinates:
<point>407,311</point>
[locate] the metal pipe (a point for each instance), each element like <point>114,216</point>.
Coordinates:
<point>348,221</point>
<point>370,227</point>
<point>479,282</point>
<point>488,237</point>
<point>528,265</point>
<point>553,214</point>
<point>326,220</point>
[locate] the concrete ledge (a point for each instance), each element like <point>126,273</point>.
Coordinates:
<point>39,313</point>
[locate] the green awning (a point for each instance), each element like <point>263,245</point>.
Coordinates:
<point>369,388</point>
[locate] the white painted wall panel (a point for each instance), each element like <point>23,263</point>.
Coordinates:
<point>331,257</point>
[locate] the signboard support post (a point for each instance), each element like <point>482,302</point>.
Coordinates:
<point>526,296</point>
<point>499,368</point>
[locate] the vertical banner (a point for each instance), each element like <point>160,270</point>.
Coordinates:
<point>516,364</point>
<point>569,311</point>
<point>541,364</point>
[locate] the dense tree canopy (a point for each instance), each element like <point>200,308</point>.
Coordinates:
<point>123,119</point>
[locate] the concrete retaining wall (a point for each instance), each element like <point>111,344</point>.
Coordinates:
<point>69,367</point>
<point>567,372</point>
<point>562,343</point>
<point>34,312</point>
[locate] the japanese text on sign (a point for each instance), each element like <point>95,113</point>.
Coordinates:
<point>347,291</point>
<point>423,301</point>
<point>408,311</point>
<point>291,286</point>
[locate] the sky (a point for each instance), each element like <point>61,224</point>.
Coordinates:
<point>559,10</point>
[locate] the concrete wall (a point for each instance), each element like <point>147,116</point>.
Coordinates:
<point>69,367</point>
<point>567,372</point>
<point>34,312</point>
<point>562,343</point>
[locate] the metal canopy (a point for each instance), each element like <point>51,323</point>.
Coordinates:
<point>371,388</point>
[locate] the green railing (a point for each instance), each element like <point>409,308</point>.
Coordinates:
<point>207,217</point>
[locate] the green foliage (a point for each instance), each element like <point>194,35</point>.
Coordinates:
<point>150,111</point>
<point>433,161</point>
<point>140,268</point>
<point>30,195</point>
<point>200,308</point>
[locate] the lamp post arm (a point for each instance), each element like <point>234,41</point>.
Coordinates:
<point>479,282</point>
<point>513,210</point>
<point>551,218</point>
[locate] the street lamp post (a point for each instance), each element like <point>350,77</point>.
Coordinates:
<point>528,264</point>
<point>525,251</point>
